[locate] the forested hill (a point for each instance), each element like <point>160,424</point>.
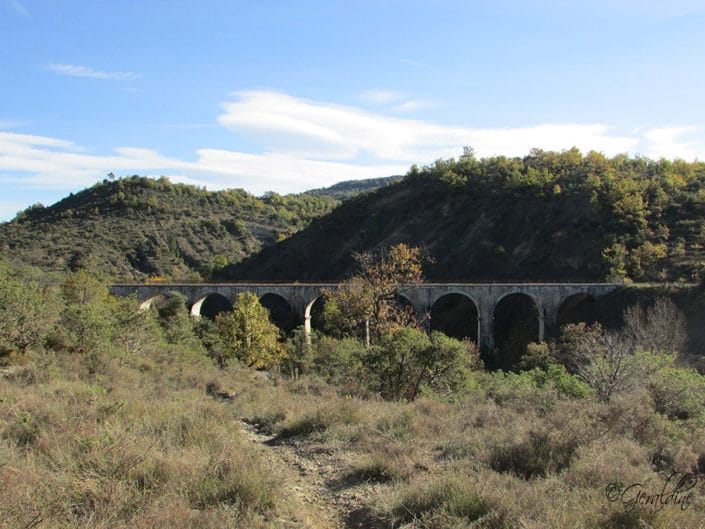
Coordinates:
<point>547,216</point>
<point>351,188</point>
<point>135,228</point>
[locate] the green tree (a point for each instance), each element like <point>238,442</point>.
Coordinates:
<point>135,332</point>
<point>677,392</point>
<point>643,259</point>
<point>630,209</point>
<point>298,351</point>
<point>409,360</point>
<point>86,320</point>
<point>615,257</point>
<point>340,362</point>
<point>247,335</point>
<point>27,311</point>
<point>393,363</point>
<point>174,319</point>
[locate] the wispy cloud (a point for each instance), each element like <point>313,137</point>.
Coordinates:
<point>311,129</point>
<point>392,100</point>
<point>10,123</point>
<point>416,64</point>
<point>679,142</point>
<point>8,209</point>
<point>73,70</point>
<point>657,8</point>
<point>19,8</point>
<point>410,106</point>
<point>381,97</point>
<point>51,163</point>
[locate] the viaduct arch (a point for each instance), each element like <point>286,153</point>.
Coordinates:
<point>548,298</point>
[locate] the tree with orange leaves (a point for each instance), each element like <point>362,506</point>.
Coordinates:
<point>373,297</point>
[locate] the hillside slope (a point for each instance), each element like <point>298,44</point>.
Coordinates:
<point>547,216</point>
<point>135,228</point>
<point>351,188</point>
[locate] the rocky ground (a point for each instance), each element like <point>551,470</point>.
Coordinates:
<point>315,480</point>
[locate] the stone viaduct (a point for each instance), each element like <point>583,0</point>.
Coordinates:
<point>547,298</point>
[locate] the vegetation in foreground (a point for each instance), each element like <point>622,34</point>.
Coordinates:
<point>111,417</point>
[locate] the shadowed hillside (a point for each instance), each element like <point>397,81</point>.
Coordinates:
<point>547,216</point>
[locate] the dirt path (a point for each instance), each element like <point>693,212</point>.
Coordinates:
<point>311,477</point>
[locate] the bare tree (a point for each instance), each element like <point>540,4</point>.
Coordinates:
<point>658,329</point>
<point>606,361</point>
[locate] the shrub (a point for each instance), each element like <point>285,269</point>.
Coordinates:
<point>439,503</point>
<point>27,311</point>
<point>338,412</point>
<point>557,377</point>
<point>518,391</point>
<point>406,361</point>
<point>601,462</point>
<point>24,430</point>
<point>538,355</point>
<point>234,482</point>
<point>678,393</point>
<point>389,463</point>
<point>533,455</point>
<point>339,362</point>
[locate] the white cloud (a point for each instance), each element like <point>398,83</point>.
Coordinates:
<point>286,173</point>
<point>396,102</point>
<point>671,140</point>
<point>416,64</point>
<point>56,163</point>
<point>49,163</point>
<point>381,97</point>
<point>8,210</point>
<point>83,71</point>
<point>211,185</point>
<point>19,8</point>
<point>409,106</point>
<point>10,140</point>
<point>310,129</point>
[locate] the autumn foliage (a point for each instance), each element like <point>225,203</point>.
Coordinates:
<point>373,297</point>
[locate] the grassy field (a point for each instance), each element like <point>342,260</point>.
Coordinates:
<point>141,442</point>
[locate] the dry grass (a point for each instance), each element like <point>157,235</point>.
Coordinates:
<point>113,450</point>
<point>142,444</point>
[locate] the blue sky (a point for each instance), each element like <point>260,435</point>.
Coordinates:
<point>288,96</point>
